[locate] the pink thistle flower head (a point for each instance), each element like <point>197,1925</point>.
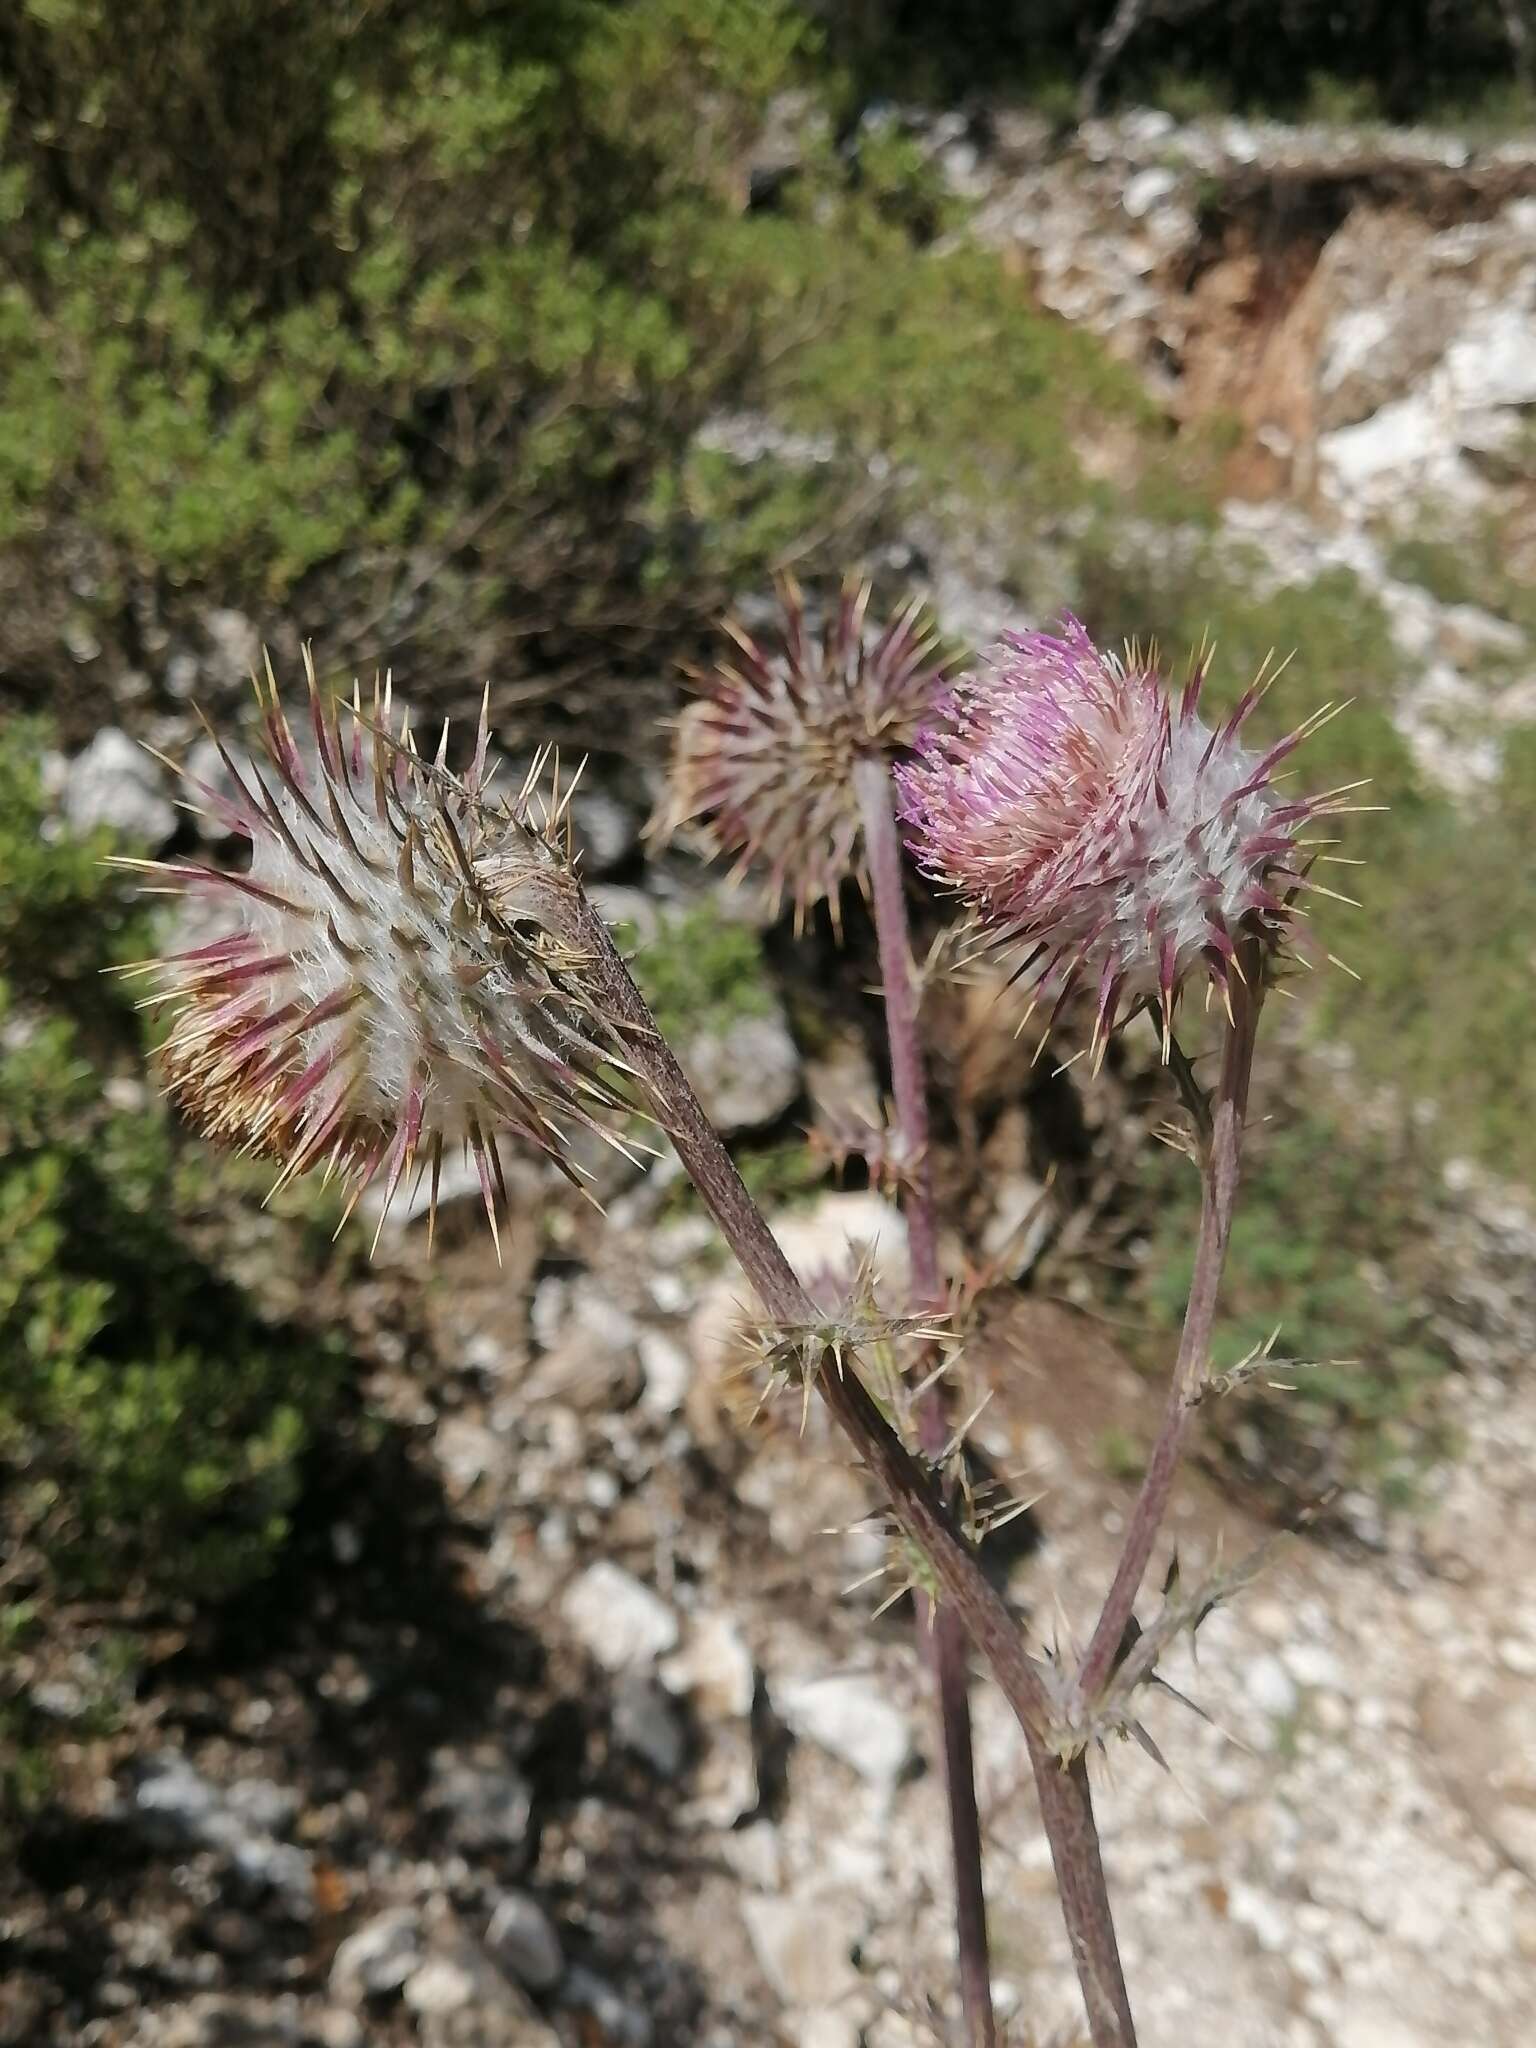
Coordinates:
<point>764,759</point>
<point>391,981</point>
<point>1098,824</point>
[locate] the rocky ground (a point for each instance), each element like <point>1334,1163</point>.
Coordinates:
<point>1357,307</point>
<point>561,1729</point>
<point>559,1726</point>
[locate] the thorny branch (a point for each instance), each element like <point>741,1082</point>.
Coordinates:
<point>1219,1175</point>
<point>939,1626</point>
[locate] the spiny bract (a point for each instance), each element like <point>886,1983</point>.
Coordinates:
<point>392,983</point>
<point>1098,825</point>
<point>765,757</point>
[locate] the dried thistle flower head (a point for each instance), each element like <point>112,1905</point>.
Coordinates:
<point>1100,826</point>
<point>765,757</point>
<point>393,983</point>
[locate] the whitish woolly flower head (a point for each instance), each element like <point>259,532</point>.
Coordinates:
<point>1102,826</point>
<point>392,983</point>
<point>765,757</point>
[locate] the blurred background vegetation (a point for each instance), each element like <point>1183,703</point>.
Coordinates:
<point>421,323</point>
<point>518,340</point>
<point>155,1418</point>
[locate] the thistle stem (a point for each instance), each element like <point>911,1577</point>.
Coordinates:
<point>1066,1804</point>
<point>939,1631</point>
<point>872,782</point>
<point>1220,1164</point>
<point>1066,1813</point>
<point>913,1497</point>
<point>915,1501</point>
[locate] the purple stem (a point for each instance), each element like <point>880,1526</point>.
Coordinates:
<point>1066,1813</point>
<point>1066,1804</point>
<point>939,1629</point>
<point>913,1497</point>
<point>1221,1160</point>
<point>914,1500</point>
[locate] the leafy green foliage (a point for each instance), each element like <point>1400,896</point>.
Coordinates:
<point>473,300</point>
<point>942,365</point>
<point>60,919</point>
<point>700,970</point>
<point>1443,949</point>
<point>152,1423</point>
<point>421,346</point>
<point>1326,1245</point>
<point>1472,569</point>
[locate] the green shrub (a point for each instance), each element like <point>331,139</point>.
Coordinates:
<point>942,364</point>
<point>460,314</point>
<point>1443,950</point>
<point>1471,569</point>
<point>152,1422</point>
<point>417,347</point>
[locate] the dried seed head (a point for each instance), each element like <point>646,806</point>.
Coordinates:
<point>394,980</point>
<point>1098,825</point>
<point>765,757</point>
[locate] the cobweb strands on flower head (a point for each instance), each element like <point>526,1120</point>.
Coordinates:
<point>1100,829</point>
<point>392,984</point>
<point>764,758</point>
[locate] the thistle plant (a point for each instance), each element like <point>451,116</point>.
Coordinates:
<point>1104,836</point>
<point>765,757</point>
<point>786,758</point>
<point>1102,832</point>
<point>410,964</point>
